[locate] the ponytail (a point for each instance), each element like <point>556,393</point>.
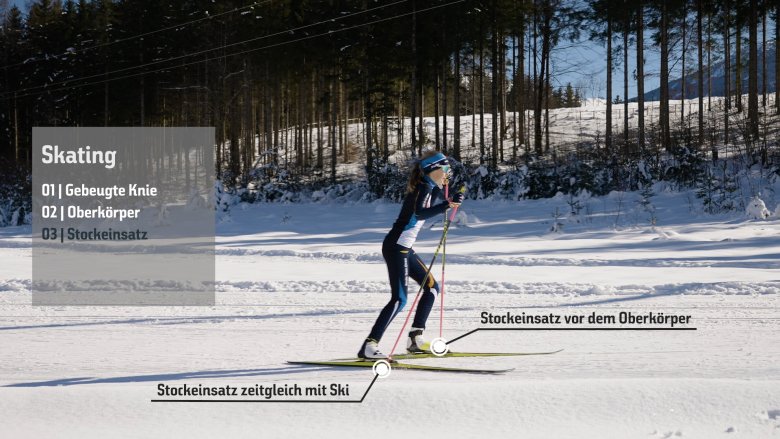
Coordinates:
<point>414,178</point>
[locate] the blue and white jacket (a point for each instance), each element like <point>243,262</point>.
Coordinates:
<point>417,207</point>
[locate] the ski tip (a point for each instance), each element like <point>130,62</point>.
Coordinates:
<point>492,371</point>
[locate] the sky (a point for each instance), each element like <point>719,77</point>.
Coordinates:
<point>583,63</point>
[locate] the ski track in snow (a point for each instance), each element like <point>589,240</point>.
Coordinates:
<point>519,261</point>
<point>453,286</point>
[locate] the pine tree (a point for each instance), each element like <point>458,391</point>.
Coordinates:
<point>570,100</point>
<point>664,12</point>
<point>13,48</point>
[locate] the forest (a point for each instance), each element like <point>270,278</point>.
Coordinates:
<point>307,95</point>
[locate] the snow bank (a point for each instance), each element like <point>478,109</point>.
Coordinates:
<point>756,209</point>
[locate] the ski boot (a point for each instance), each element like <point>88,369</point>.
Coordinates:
<point>370,350</point>
<point>416,344</point>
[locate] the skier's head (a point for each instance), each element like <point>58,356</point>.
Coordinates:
<point>434,161</point>
<point>433,166</point>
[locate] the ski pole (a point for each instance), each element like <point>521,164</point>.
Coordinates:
<point>441,293</point>
<point>443,263</point>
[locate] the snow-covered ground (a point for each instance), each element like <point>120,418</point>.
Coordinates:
<point>306,281</point>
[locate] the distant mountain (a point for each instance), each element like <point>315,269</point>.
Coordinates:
<point>718,78</point>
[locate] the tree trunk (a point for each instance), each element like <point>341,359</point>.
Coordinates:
<point>385,137</point>
<point>17,153</point>
<point>541,80</point>
<point>520,114</point>
<point>535,62</point>
<point>400,118</point>
<point>481,100</point>
<point>323,111</point>
<point>142,93</point>
<point>713,147</point>
<point>709,62</point>
<point>626,24</point>
<point>277,122</point>
<point>684,86</point>
<point>235,127</point>
<point>531,82</point>
<point>248,127</point>
<point>344,127</point>
<point>473,100</point>
<point>763,59</point>
<point>502,98</point>
<point>640,73</point>
<point>444,71</point>
<point>547,90</point>
<point>664,110</point>
<point>284,122</point>
<point>369,115</point>
<point>332,130</point>
<point>421,121</point>
<point>699,14</point>
<point>105,99</point>
<point>219,124</point>
<point>514,119</point>
<point>436,97</point>
<point>267,108</point>
<point>777,58</point>
<point>753,71</point>
<point>313,118</point>
<point>456,108</point>
<point>738,79</point>
<point>413,85</point>
<point>608,134</point>
<point>494,88</point>
<point>727,70</point>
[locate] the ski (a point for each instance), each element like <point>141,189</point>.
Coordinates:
<point>461,354</point>
<point>471,354</point>
<point>397,365</point>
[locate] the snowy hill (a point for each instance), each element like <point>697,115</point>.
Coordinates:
<point>719,80</point>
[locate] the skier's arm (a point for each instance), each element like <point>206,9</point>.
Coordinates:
<point>425,213</point>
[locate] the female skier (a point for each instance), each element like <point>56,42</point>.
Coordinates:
<point>425,183</point>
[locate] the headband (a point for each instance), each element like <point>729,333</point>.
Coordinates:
<point>433,163</point>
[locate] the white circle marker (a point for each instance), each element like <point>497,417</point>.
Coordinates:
<point>439,347</point>
<point>382,368</point>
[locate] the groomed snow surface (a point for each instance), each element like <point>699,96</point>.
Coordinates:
<point>304,282</point>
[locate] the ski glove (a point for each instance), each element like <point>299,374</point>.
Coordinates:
<point>458,197</point>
